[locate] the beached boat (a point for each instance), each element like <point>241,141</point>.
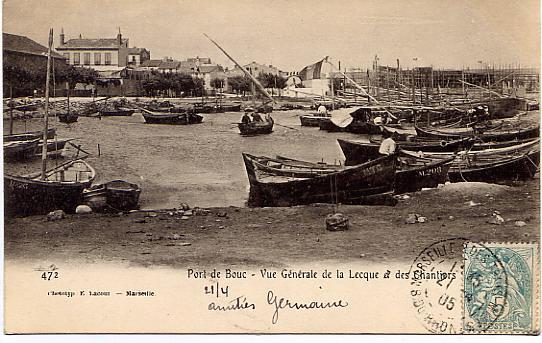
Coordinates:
<point>518,162</point>
<point>54,147</point>
<point>412,173</point>
<point>61,189</point>
<point>20,150</point>
<point>231,108</point>
<point>170,118</point>
<point>256,128</point>
<point>29,135</point>
<point>119,112</point>
<point>491,135</point>
<point>119,195</point>
<point>360,152</point>
<point>67,118</point>
<point>276,183</point>
<point>313,119</point>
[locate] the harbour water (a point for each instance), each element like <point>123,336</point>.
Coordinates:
<point>200,165</point>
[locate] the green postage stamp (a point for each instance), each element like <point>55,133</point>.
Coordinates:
<point>501,288</point>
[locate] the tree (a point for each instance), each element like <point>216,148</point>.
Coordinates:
<point>172,84</point>
<point>217,83</point>
<point>240,84</point>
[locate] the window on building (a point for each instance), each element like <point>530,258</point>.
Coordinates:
<point>86,58</point>
<point>76,58</point>
<point>67,56</point>
<point>107,58</point>
<point>97,58</point>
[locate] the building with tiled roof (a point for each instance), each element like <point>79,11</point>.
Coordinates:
<point>101,53</point>
<point>25,45</point>
<point>23,54</point>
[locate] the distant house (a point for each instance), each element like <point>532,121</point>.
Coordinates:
<point>202,68</point>
<point>24,53</point>
<point>257,69</point>
<point>101,53</point>
<point>169,67</point>
<point>150,65</point>
<point>137,56</point>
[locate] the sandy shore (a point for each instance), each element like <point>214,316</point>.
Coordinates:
<point>233,236</point>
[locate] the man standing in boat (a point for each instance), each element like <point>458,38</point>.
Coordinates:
<point>388,145</point>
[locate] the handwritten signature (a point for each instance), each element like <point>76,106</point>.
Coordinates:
<point>284,303</point>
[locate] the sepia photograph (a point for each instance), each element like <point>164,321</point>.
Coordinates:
<point>271,166</point>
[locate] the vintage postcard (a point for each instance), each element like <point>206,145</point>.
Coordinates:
<point>271,166</point>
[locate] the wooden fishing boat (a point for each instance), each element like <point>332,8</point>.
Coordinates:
<point>119,112</point>
<point>313,119</point>
<point>487,136</point>
<point>360,152</point>
<point>412,173</point>
<point>256,128</point>
<point>170,118</point>
<point>20,150</point>
<point>119,195</point>
<point>355,126</point>
<point>231,108</point>
<point>29,135</point>
<point>54,147</point>
<point>518,162</point>
<point>67,118</point>
<point>415,173</point>
<point>497,145</point>
<point>62,189</point>
<point>275,183</point>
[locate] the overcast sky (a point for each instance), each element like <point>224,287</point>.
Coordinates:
<point>291,34</point>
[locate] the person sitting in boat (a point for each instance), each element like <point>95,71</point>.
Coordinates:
<point>388,145</point>
<point>246,118</point>
<point>257,118</point>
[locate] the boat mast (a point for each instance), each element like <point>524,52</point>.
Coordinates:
<point>46,115</point>
<point>256,83</point>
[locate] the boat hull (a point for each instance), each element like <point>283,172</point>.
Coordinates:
<point>310,120</point>
<point>515,168</point>
<point>368,184</point>
<point>429,176</point>
<point>172,118</point>
<point>25,197</point>
<point>67,118</point>
<point>251,129</point>
<point>484,137</point>
<point>117,113</point>
<point>359,152</point>
<point>20,150</point>
<point>29,135</point>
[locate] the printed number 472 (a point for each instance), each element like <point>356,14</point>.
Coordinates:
<point>47,276</point>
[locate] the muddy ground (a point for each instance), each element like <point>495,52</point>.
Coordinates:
<point>233,236</point>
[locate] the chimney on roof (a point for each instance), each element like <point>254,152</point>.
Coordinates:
<point>119,38</point>
<point>80,36</point>
<point>62,37</point>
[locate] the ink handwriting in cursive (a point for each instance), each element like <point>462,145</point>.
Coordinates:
<point>281,303</point>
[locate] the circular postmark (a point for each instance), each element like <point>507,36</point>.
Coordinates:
<point>435,286</point>
<point>444,294</point>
